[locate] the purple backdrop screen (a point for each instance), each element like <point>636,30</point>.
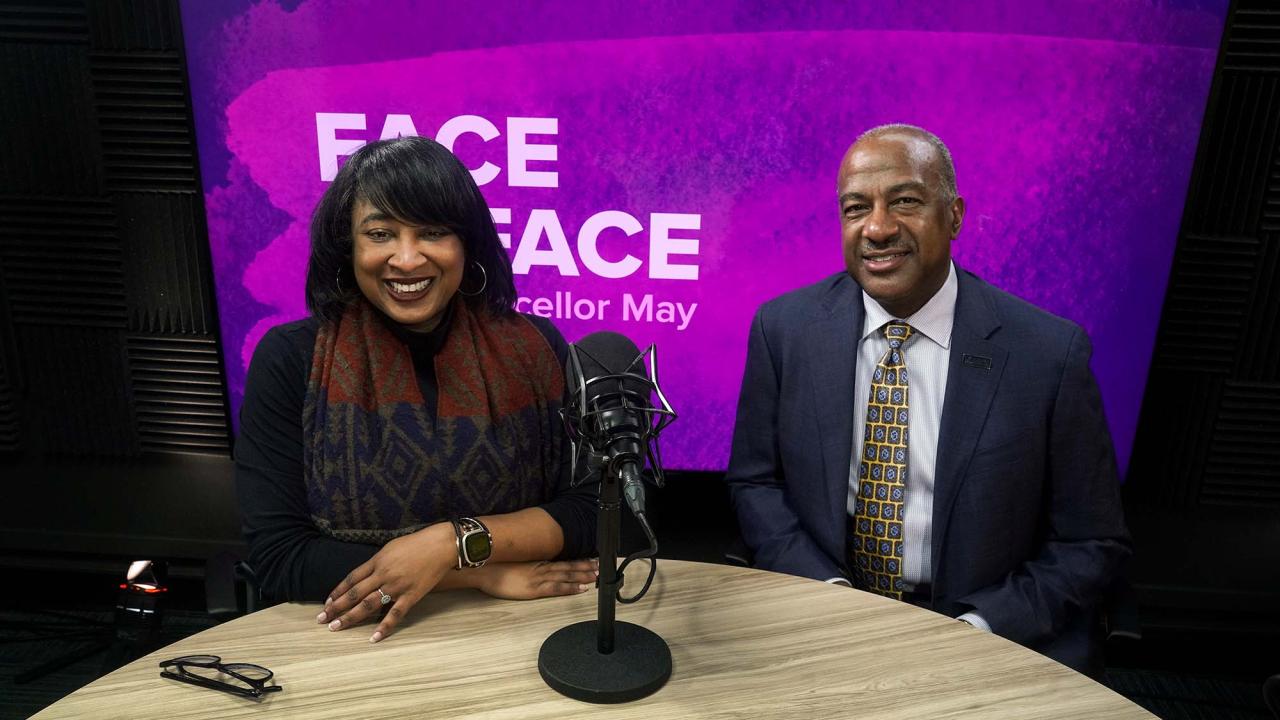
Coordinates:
<point>660,169</point>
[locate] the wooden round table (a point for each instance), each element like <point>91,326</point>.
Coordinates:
<point>744,643</point>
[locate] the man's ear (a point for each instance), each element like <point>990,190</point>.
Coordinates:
<point>957,216</point>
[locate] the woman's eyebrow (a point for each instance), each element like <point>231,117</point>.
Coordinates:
<point>376,216</point>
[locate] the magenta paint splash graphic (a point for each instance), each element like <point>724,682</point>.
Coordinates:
<point>662,170</point>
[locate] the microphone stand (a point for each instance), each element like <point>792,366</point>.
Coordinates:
<point>603,661</point>
<point>608,530</point>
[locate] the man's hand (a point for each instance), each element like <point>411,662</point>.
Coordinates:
<point>404,570</point>
<point>529,580</point>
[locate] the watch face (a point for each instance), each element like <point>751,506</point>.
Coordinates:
<point>477,546</point>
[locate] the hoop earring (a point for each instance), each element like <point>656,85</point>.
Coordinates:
<point>337,279</point>
<point>483,284</point>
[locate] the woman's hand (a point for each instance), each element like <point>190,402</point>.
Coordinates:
<point>529,580</point>
<point>404,571</point>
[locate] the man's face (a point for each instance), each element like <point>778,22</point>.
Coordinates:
<point>896,224</point>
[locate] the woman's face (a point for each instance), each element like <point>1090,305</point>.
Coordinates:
<point>409,272</point>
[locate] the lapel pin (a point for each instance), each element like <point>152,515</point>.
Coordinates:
<point>977,361</point>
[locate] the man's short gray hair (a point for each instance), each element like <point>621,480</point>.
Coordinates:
<point>946,167</point>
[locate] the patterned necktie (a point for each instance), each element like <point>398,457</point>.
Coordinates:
<point>882,473</point>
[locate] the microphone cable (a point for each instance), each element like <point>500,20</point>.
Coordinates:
<point>650,552</point>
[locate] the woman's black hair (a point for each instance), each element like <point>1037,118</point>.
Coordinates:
<point>419,182</point>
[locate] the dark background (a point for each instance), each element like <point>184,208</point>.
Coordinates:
<point>114,434</point>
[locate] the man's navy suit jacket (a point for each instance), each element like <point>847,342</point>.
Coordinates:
<point>1028,529</point>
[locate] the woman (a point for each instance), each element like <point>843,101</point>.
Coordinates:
<point>406,438</point>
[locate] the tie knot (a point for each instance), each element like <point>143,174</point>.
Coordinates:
<point>897,333</point>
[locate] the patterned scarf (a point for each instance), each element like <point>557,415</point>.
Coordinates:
<point>378,466</point>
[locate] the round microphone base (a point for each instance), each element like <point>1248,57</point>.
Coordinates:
<point>572,665</point>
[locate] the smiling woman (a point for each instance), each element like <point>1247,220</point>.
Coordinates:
<point>409,272</point>
<point>410,426</point>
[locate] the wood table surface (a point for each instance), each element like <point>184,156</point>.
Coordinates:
<point>744,644</point>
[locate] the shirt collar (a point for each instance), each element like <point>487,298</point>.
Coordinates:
<point>934,320</point>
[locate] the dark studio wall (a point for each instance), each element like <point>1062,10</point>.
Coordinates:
<point>1203,489</point>
<point>113,422</point>
<point>114,436</point>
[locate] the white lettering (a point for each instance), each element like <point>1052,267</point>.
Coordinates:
<point>476,125</point>
<point>589,233</point>
<point>563,306</point>
<point>331,146</point>
<point>662,246</point>
<point>632,311</point>
<point>685,317</point>
<point>520,152</point>
<point>544,222</point>
<point>646,310</point>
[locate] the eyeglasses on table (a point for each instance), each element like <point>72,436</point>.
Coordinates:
<point>208,671</point>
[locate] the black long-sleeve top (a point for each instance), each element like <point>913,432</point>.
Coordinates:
<point>292,559</point>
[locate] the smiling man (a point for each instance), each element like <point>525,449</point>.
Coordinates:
<point>908,429</point>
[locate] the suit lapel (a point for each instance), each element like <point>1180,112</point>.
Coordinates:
<point>832,343</point>
<point>974,370</point>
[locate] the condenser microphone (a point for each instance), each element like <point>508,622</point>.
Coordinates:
<point>613,419</point>
<point>613,422</point>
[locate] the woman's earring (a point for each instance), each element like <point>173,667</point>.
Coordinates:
<point>483,284</point>
<point>337,278</point>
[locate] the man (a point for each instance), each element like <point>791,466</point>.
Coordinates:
<point>909,429</point>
